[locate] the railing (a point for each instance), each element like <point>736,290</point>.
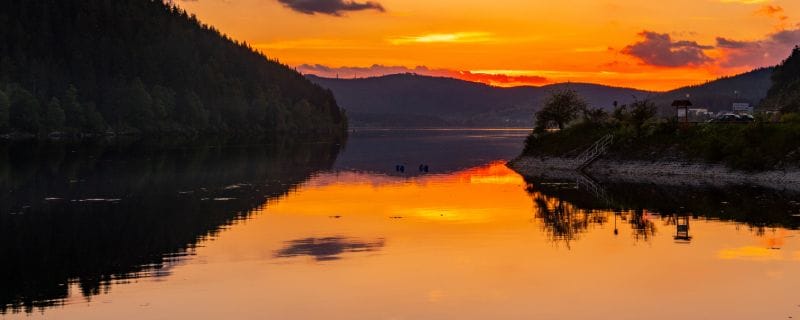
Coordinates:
<point>594,151</point>
<point>586,183</point>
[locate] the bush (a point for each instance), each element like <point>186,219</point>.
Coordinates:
<point>756,146</point>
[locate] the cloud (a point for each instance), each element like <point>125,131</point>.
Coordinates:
<point>501,79</point>
<point>330,7</point>
<point>325,249</point>
<point>658,49</point>
<point>772,11</point>
<point>731,44</point>
<point>758,53</point>
<point>457,37</point>
<point>486,77</point>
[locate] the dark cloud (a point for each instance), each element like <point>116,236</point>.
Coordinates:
<point>325,249</point>
<point>659,49</point>
<point>330,7</point>
<point>730,44</point>
<point>758,53</point>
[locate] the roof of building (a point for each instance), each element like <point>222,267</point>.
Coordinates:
<point>681,103</point>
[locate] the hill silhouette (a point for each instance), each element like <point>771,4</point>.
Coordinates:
<point>718,95</point>
<point>410,100</point>
<point>89,66</point>
<point>784,95</point>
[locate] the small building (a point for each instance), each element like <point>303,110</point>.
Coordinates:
<point>742,108</point>
<point>682,109</point>
<point>699,114</point>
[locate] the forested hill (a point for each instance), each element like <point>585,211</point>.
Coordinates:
<point>718,95</point>
<point>784,95</point>
<point>410,100</point>
<point>87,66</point>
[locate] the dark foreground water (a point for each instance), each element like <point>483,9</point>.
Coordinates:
<point>332,231</point>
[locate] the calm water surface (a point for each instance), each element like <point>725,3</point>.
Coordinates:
<point>333,231</point>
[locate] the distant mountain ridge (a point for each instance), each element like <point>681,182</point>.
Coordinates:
<point>719,95</point>
<point>410,100</point>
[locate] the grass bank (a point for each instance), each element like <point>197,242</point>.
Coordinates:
<point>751,147</point>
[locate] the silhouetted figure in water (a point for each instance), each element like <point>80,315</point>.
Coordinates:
<point>425,168</point>
<point>400,168</point>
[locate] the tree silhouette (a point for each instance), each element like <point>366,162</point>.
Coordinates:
<point>560,108</point>
<point>149,67</point>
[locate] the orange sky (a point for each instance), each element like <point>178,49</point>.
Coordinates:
<point>654,45</point>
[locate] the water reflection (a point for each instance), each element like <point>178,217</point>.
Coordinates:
<point>95,215</point>
<point>441,150</point>
<point>326,249</point>
<point>569,208</point>
<point>283,232</point>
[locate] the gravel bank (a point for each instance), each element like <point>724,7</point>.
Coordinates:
<point>657,172</point>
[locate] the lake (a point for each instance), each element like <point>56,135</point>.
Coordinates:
<point>336,230</point>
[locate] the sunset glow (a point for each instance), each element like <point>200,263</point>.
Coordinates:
<point>627,43</point>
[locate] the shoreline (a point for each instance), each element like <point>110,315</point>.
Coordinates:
<point>655,172</point>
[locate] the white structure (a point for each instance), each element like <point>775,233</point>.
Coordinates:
<point>742,108</point>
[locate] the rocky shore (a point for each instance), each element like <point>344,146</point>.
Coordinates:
<point>656,172</point>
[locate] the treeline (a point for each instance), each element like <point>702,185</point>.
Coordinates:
<point>784,95</point>
<point>144,66</point>
<point>639,134</point>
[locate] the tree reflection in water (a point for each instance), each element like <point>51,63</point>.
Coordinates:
<point>566,212</point>
<point>564,222</point>
<point>95,215</point>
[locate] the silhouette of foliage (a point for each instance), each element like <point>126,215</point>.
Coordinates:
<point>93,215</point>
<point>144,66</point>
<point>567,212</point>
<point>559,109</point>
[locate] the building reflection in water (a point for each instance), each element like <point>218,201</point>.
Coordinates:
<point>682,229</point>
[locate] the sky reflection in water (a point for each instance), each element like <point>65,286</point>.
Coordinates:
<point>474,243</point>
